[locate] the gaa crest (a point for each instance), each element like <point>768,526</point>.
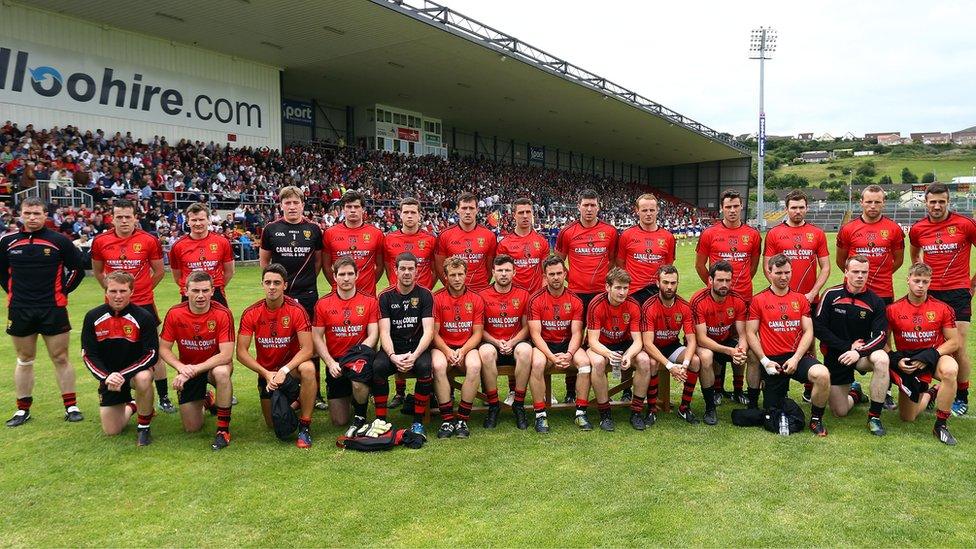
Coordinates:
<point>137,247</point>
<point>127,329</point>
<point>930,315</point>
<point>626,317</point>
<point>730,311</point>
<point>307,234</point>
<point>211,325</point>
<point>414,301</point>
<point>285,321</point>
<point>360,310</point>
<point>213,247</point>
<point>469,307</point>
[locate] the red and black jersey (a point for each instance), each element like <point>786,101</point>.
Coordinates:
<point>421,244</point>
<point>504,312</point>
<point>615,322</point>
<point>719,317</point>
<point>293,245</point>
<point>39,269</point>
<point>643,253</point>
<point>345,320</point>
<point>362,244</point>
<point>528,252</point>
<point>590,251</point>
<point>666,322</point>
<point>737,246</point>
<point>476,247</point>
<point>918,327</point>
<point>876,241</point>
<point>206,254</point>
<point>945,247</point>
<point>780,320</point>
<point>132,254</point>
<point>556,314</point>
<point>275,331</point>
<point>119,341</point>
<point>804,246</point>
<point>457,316</point>
<point>198,336</point>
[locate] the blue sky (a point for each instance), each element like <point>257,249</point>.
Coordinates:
<point>839,66</point>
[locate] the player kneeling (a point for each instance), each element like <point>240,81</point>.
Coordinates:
<point>925,335</point>
<point>345,332</point>
<point>203,331</point>
<point>663,318</point>
<point>283,343</point>
<point>120,347</point>
<point>614,337</point>
<point>458,324</point>
<point>780,332</point>
<point>556,326</point>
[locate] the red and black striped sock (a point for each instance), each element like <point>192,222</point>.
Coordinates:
<point>24,403</point>
<point>689,390</point>
<point>719,384</point>
<point>464,410</point>
<point>539,407</point>
<point>637,404</point>
<point>380,402</point>
<point>209,400</point>
<point>652,393</point>
<point>808,387</point>
<point>855,397</point>
<point>940,417</point>
<point>447,410</point>
<point>132,406</point>
<point>304,421</point>
<point>492,397</point>
<point>421,398</point>
<point>737,382</point>
<point>581,405</point>
<point>875,409</point>
<point>519,398</point>
<point>962,391</point>
<point>69,399</point>
<point>604,408</point>
<point>223,419</point>
<point>144,421</point>
<point>511,383</point>
<point>401,385</point>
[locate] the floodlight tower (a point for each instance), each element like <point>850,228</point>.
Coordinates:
<point>761,44</point>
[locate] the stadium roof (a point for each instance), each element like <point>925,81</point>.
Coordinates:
<point>421,56</point>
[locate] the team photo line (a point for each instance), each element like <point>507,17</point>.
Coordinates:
<point>603,303</point>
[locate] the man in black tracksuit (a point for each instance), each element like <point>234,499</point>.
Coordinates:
<point>852,327</point>
<point>119,346</point>
<point>38,268</point>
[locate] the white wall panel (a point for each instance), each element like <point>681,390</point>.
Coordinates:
<point>23,24</point>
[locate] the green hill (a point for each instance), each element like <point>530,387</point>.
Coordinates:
<point>944,166</point>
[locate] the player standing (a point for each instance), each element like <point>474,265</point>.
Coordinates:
<point>203,331</point>
<point>943,240</point>
<point>733,241</point>
<point>128,248</point>
<point>202,250</point>
<point>283,344</point>
<point>526,247</point>
<point>473,243</point>
<point>876,237</point>
<point>295,243</point>
<point>119,347</point>
<point>644,248</point>
<point>38,269</point>
<point>804,244</point>
<point>591,245</point>
<point>356,239</point>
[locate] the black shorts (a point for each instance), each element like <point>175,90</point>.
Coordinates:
<point>925,375</point>
<point>114,398</point>
<point>218,296</point>
<point>357,365</point>
<point>194,389</point>
<point>151,309</point>
<point>503,360</point>
<point>840,374</point>
<point>263,392</point>
<point>722,358</point>
<point>383,368</point>
<point>620,347</point>
<point>558,347</point>
<point>777,386</point>
<point>959,300</point>
<point>49,321</point>
<point>645,293</point>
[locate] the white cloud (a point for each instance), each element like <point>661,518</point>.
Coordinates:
<point>839,66</point>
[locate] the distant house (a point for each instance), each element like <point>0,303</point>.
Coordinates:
<point>964,138</point>
<point>890,139</point>
<point>805,136</point>
<point>826,137</point>
<point>863,153</point>
<point>875,135</point>
<point>816,156</point>
<point>931,138</point>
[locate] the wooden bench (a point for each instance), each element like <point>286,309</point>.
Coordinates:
<point>663,398</point>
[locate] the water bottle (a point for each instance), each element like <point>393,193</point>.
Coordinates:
<point>784,425</point>
<point>615,364</point>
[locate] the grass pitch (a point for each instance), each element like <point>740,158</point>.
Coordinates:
<point>68,485</point>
